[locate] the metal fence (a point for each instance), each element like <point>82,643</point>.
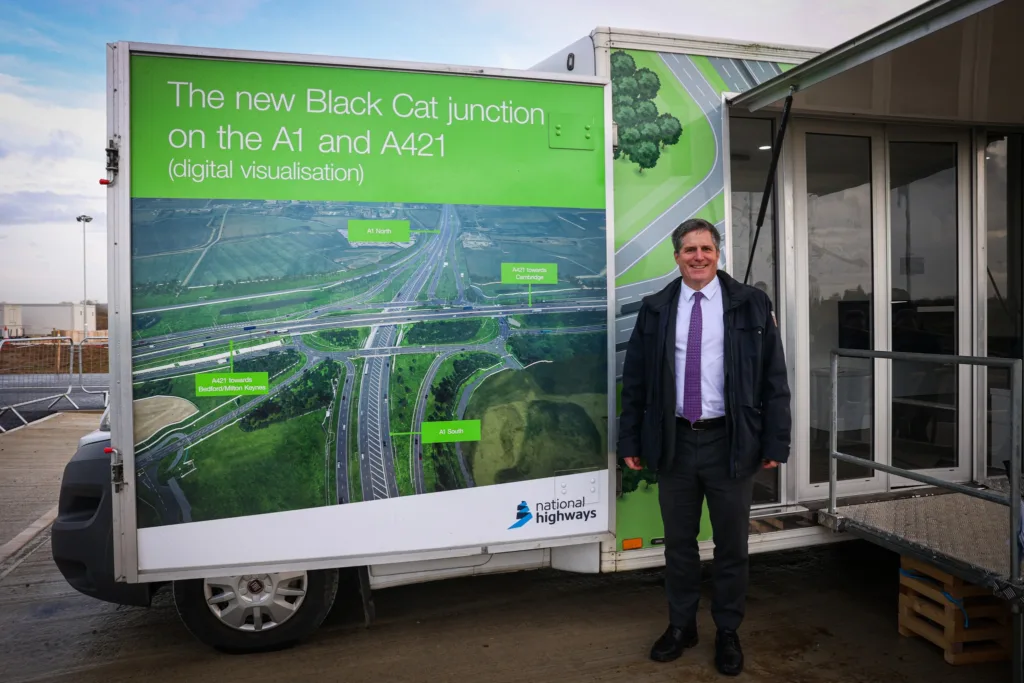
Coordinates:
<point>38,374</point>
<point>34,371</point>
<point>1013,501</point>
<point>94,367</point>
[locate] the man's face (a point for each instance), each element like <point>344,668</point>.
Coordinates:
<point>697,259</point>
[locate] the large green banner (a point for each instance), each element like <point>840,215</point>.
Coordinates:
<point>354,285</point>
<point>244,130</point>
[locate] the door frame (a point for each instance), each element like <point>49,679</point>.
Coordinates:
<point>875,481</point>
<point>880,135</point>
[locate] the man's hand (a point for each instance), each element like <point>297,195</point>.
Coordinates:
<point>632,463</point>
<point>770,464</point>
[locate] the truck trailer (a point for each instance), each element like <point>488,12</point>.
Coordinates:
<point>416,423</point>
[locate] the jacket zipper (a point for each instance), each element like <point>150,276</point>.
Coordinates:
<point>731,392</point>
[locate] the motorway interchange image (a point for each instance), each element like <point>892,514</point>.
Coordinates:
<point>295,354</point>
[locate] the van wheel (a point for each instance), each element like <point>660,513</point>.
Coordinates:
<point>256,612</point>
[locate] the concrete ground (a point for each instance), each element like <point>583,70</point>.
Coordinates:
<point>817,615</point>
<point>26,391</point>
<point>32,461</point>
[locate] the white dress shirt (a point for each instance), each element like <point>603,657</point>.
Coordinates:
<point>712,349</point>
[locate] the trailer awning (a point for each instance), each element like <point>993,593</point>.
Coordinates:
<point>945,61</point>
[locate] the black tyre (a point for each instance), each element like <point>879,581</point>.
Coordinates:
<point>256,613</point>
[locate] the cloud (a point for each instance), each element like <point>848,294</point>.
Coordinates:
<point>51,271</point>
<point>524,41</point>
<point>187,12</point>
<point>59,83</point>
<point>51,143</point>
<point>31,208</point>
<point>26,36</point>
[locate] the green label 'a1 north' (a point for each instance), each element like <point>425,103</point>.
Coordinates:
<point>378,231</point>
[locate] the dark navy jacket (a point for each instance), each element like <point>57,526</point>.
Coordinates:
<point>757,396</point>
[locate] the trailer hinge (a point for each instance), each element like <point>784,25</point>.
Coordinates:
<point>116,468</point>
<point>113,157</point>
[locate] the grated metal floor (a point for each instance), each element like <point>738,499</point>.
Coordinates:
<point>966,530</point>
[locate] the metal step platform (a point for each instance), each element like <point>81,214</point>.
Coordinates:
<point>969,531</point>
<point>966,536</point>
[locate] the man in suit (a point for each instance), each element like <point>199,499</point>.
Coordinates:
<point>705,404</point>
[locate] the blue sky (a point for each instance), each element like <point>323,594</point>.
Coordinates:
<point>53,81</point>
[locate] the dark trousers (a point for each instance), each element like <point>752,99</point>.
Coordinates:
<point>699,469</point>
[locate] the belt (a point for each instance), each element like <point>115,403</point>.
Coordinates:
<point>701,425</point>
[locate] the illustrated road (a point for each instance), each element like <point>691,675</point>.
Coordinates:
<point>422,271</point>
<point>344,419</point>
<point>401,313</point>
<point>147,462</point>
<point>376,460</point>
<point>496,347</point>
<point>419,415</point>
<point>393,268</point>
<point>739,76</point>
<point>654,234</point>
<point>376,451</point>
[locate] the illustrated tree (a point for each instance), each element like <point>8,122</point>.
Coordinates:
<point>643,131</point>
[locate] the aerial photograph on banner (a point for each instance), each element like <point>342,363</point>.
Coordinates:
<point>295,354</point>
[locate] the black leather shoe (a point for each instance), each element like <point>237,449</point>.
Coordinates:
<point>672,643</point>
<point>728,654</point>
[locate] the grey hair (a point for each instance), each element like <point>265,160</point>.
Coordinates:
<point>694,225</point>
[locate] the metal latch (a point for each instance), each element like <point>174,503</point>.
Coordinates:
<point>116,468</point>
<point>113,158</point>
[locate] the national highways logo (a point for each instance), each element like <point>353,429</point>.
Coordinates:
<point>553,512</point>
<point>523,515</point>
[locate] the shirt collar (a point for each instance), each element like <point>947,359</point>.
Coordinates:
<point>710,291</point>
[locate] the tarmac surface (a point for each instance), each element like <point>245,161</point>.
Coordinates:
<point>814,616</point>
<point>817,615</point>
<point>31,465</point>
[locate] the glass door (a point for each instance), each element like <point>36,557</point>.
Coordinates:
<point>884,259</point>
<point>840,249</point>
<point>930,268</point>
<point>1002,326</point>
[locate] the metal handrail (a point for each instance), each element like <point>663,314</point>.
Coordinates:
<point>1013,501</point>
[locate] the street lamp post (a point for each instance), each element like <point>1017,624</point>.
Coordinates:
<point>83,219</point>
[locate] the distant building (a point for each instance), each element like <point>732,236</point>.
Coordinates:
<point>10,321</point>
<point>64,319</point>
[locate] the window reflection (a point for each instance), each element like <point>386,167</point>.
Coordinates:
<point>750,163</point>
<point>750,150</point>
<point>840,260</point>
<point>923,268</point>
<point>1004,194</point>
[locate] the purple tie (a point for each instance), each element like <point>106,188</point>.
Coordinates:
<point>691,378</point>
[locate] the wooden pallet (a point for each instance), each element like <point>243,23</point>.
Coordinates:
<point>924,611</point>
